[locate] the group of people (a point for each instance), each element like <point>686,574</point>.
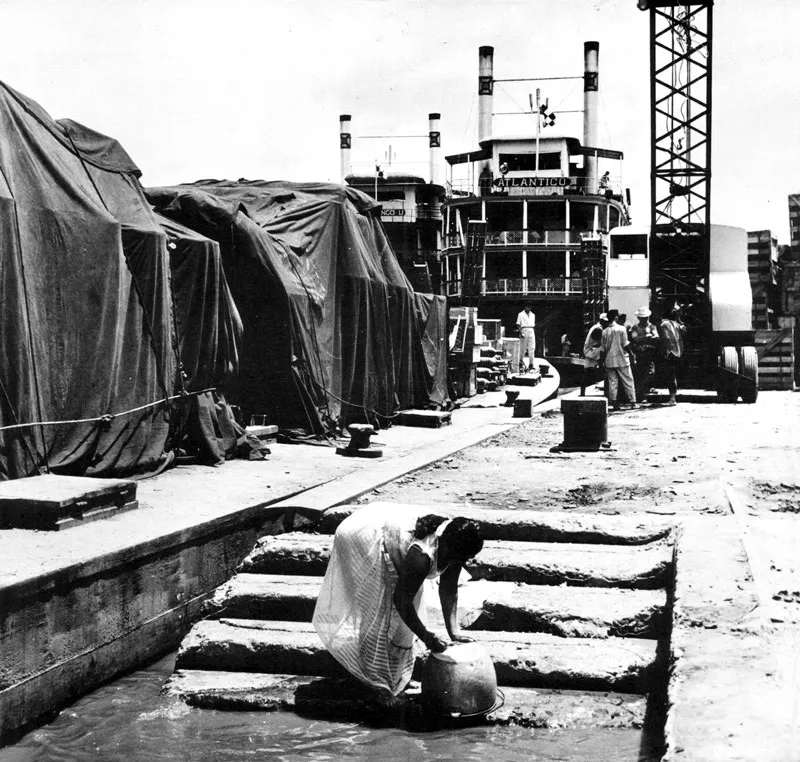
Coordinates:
<point>370,613</point>
<point>631,358</point>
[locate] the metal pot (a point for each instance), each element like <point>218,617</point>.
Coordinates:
<point>460,682</point>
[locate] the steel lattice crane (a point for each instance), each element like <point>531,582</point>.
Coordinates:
<point>700,266</point>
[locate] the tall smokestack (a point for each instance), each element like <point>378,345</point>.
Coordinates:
<point>591,84</point>
<point>435,143</point>
<point>345,144</point>
<point>485,90</point>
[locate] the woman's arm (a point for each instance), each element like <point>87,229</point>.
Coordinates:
<point>448,595</point>
<point>412,574</point>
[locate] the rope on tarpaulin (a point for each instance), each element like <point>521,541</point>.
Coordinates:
<point>107,418</point>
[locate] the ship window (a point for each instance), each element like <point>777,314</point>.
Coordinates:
<point>390,195</point>
<point>546,215</point>
<point>629,246</point>
<point>503,216</point>
<point>526,162</point>
<point>502,264</point>
<point>581,217</point>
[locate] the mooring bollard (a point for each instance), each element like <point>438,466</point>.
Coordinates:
<point>585,423</point>
<point>511,398</point>
<point>522,409</point>
<point>359,445</point>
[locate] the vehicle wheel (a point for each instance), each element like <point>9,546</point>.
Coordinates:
<point>728,375</point>
<point>748,374</point>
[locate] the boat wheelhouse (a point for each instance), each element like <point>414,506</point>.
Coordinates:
<point>411,208</point>
<point>542,199</point>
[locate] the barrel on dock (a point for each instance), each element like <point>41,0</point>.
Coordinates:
<point>585,423</point>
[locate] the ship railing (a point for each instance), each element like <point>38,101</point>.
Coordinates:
<point>519,238</point>
<point>523,287</point>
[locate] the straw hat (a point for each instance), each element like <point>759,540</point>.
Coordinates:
<point>642,312</point>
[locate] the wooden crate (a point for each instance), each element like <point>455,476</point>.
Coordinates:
<point>775,348</point>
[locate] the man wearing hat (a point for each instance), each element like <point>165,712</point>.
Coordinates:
<point>616,350</point>
<point>645,342</point>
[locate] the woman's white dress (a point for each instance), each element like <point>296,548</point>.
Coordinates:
<point>355,615</point>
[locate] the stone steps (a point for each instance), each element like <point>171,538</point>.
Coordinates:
<point>483,605</point>
<point>344,699</point>
<point>569,607</point>
<point>528,660</point>
<point>532,526</point>
<point>643,567</point>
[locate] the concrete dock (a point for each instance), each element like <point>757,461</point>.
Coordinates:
<point>722,479</point>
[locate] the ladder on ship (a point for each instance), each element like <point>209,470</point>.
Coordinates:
<point>472,276</point>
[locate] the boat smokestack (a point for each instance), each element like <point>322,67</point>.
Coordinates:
<point>435,143</point>
<point>485,90</point>
<point>345,144</point>
<point>591,93</point>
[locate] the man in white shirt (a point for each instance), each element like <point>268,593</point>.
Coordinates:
<point>526,321</point>
<point>616,352</point>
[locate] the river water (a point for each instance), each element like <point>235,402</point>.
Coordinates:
<point>130,721</point>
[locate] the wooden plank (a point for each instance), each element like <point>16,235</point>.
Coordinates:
<point>483,605</point>
<point>523,659</point>
<point>347,699</point>
<point>623,566</point>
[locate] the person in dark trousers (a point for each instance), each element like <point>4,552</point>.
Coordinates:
<point>592,370</point>
<point>645,343</point>
<point>671,332</point>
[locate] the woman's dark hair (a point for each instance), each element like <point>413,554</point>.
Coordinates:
<point>428,525</point>
<point>464,537</point>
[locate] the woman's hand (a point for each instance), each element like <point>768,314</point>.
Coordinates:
<point>435,643</point>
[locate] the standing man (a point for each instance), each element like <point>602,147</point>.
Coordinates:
<point>616,351</point>
<point>644,339</point>
<point>592,352</point>
<point>672,330</point>
<point>526,321</point>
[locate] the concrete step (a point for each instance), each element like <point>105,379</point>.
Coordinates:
<point>345,699</point>
<point>482,605</point>
<point>644,567</point>
<point>528,660</point>
<point>530,526</point>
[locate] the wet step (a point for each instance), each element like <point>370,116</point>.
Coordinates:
<point>483,605</point>
<point>344,699</point>
<point>529,660</point>
<point>537,563</point>
<point>531,526</point>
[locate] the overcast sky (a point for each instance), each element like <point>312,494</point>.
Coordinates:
<point>238,88</point>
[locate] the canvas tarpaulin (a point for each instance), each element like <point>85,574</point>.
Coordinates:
<point>208,333</point>
<point>333,331</point>
<point>89,346</point>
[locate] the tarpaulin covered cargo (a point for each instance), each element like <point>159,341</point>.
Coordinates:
<point>208,333</point>
<point>333,331</point>
<point>89,348</point>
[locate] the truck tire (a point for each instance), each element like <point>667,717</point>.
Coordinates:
<point>728,375</point>
<point>748,374</point>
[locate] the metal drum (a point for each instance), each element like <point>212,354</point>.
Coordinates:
<point>460,682</point>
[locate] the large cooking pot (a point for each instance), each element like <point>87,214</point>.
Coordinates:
<point>460,681</point>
